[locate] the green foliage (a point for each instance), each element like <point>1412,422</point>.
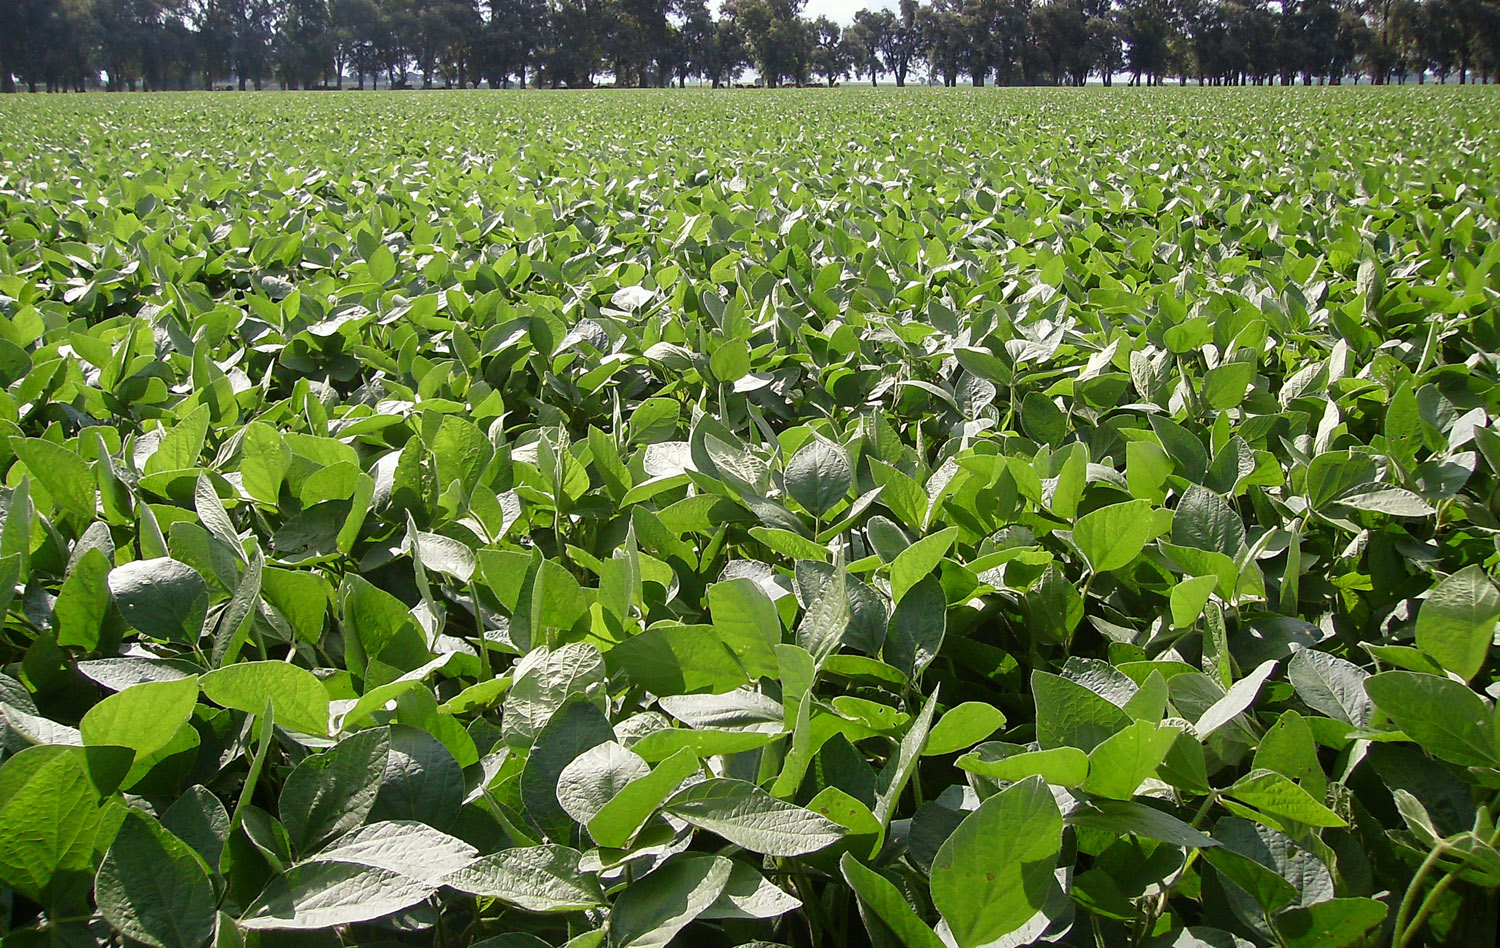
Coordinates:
<point>594,529</point>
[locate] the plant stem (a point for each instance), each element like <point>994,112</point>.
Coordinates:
<point>257,763</point>
<point>1402,936</point>
<point>811,910</point>
<point>1156,909</point>
<point>1401,933</point>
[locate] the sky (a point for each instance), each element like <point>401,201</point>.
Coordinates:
<point>839,11</point>
<point>842,11</point>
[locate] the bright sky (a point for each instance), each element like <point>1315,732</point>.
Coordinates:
<point>842,11</point>
<point>839,11</point>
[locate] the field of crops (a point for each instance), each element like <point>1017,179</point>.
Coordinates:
<point>816,519</point>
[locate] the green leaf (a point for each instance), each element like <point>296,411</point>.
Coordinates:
<point>819,476</point>
<point>881,902</point>
<point>445,555</point>
<point>655,420</point>
<point>1331,686</point>
<point>1225,386</point>
<point>1133,818</point>
<point>1059,766</point>
<point>182,445</point>
<point>827,617</point>
<point>154,888</point>
<point>627,811</point>
<point>1334,923</point>
<point>749,817</point>
<point>650,913</point>
<point>1277,796</point>
<point>742,610</point>
<point>1204,520</point>
<point>1269,890</point>
<point>461,452</point>
<point>704,742</point>
<point>896,773</point>
<point>331,793</point>
<point>1054,606</point>
<point>1188,598</point>
<point>996,871</point>
<point>264,459</point>
<point>962,727</point>
<point>1392,501</point>
<point>917,561</point>
<point>594,777</point>
<point>325,894</point>
<point>381,264</point>
<point>200,820</point>
<point>83,602</point>
<point>236,619</point>
<point>730,360</point>
<point>161,598</point>
<point>749,895</point>
<point>534,878</point>
<point>576,728</point>
<point>49,818</point>
<point>1070,715</point>
<point>301,597</point>
<point>1236,700</point>
<point>143,717</point>
<point>1449,720</point>
<point>300,700</point>
<point>1112,537</point>
<point>63,473</point>
<point>413,849</point>
<point>1122,762</point>
<point>691,659</point>
<point>422,781</point>
<point>1289,748</point>
<point>1456,623</point>
<point>545,680</point>
<point>914,635</point>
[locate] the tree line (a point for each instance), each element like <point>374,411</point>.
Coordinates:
<point>61,45</point>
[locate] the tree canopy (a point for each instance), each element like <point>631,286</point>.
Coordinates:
<point>159,44</point>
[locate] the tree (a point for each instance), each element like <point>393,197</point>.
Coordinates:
<point>1146,27</point>
<point>1060,31</point>
<point>776,36</point>
<point>155,44</point>
<point>511,39</point>
<point>904,40</point>
<point>730,53</point>
<point>943,27</point>
<point>253,27</point>
<point>866,37</point>
<point>636,38</point>
<point>439,38</point>
<point>304,43</point>
<point>829,54</point>
<point>354,25</point>
<point>1106,54</point>
<point>46,43</point>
